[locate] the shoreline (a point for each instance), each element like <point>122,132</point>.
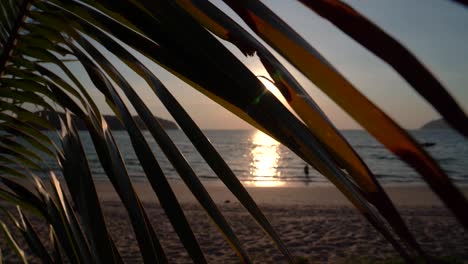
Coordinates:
<point>406,196</point>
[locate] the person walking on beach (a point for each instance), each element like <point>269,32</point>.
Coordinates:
<point>306,170</point>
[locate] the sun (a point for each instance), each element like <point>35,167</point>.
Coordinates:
<point>273,89</point>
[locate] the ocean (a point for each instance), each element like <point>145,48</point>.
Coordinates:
<point>258,160</point>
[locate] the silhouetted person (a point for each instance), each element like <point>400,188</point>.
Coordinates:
<point>306,170</point>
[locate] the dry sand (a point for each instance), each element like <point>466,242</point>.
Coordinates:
<point>316,223</point>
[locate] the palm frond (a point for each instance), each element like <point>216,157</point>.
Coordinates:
<point>313,65</point>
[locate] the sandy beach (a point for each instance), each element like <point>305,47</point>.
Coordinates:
<point>316,223</point>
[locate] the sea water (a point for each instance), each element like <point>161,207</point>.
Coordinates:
<point>258,160</point>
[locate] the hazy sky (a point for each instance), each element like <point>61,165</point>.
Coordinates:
<point>434,30</point>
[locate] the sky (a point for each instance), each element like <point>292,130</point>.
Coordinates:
<point>433,30</point>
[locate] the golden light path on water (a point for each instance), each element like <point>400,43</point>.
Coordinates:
<point>265,156</point>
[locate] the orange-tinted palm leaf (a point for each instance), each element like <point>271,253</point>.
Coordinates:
<point>289,44</point>
<point>388,49</point>
<point>319,125</point>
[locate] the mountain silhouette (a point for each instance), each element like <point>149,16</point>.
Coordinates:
<point>112,121</point>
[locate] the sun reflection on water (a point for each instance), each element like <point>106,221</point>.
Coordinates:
<point>264,163</point>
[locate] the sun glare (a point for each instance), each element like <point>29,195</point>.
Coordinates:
<point>265,157</point>
<point>272,88</point>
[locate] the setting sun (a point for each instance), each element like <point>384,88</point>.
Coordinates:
<point>273,89</point>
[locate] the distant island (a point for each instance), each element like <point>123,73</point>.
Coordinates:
<point>112,121</point>
<point>436,124</point>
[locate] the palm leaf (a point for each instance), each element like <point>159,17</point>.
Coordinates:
<point>387,48</point>
<point>189,127</point>
<point>149,163</point>
<point>84,195</point>
<point>309,61</point>
<point>308,110</point>
<point>13,243</point>
<point>32,238</point>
